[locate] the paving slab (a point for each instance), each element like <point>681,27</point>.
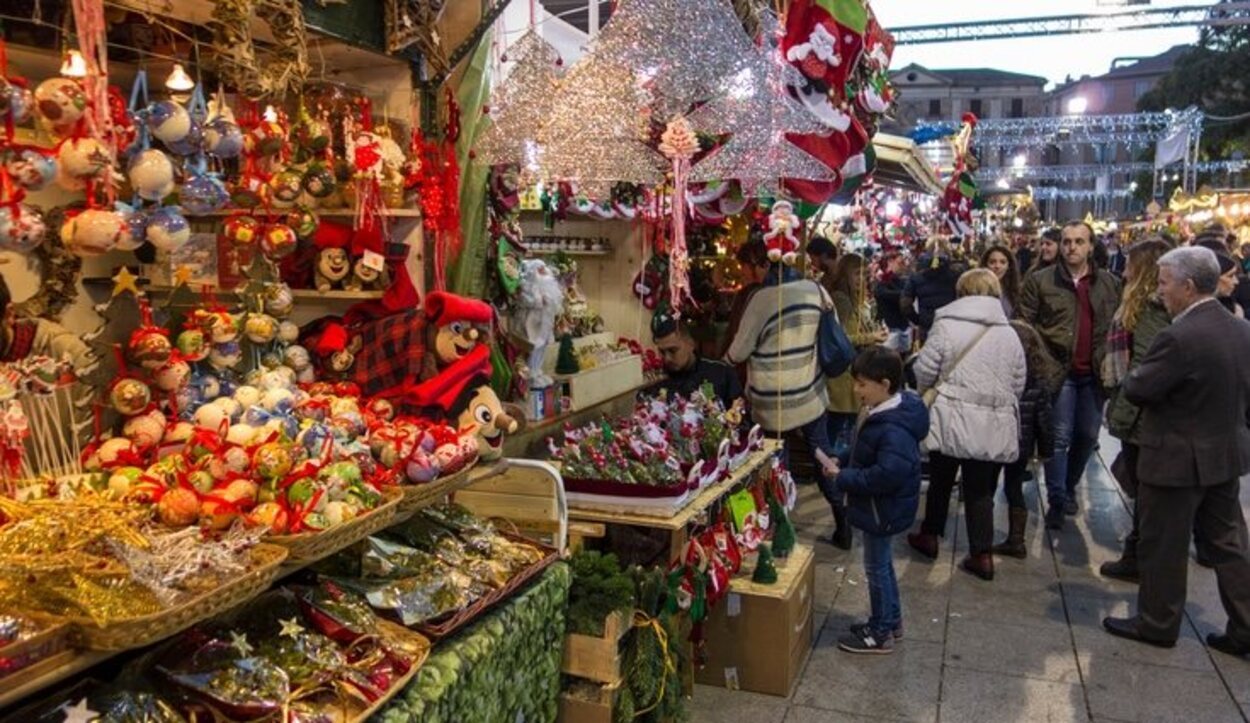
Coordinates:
<point>973,696</point>
<point>1093,642</point>
<point>1012,650</point>
<point>804,714</point>
<point>904,684</point>
<point>714,702</point>
<point>1133,691</point>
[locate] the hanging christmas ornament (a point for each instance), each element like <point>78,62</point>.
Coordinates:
<point>172,375</point>
<point>135,232</point>
<point>168,229</point>
<point>168,122</point>
<point>223,139</point>
<point>192,345</point>
<point>93,232</point>
<point>240,230</point>
<point>265,139</point>
<point>277,241</point>
<point>61,103</point>
<point>303,221</point>
<point>31,169</point>
<point>225,356</point>
<point>311,133</point>
<point>129,396</point>
<point>260,328</point>
<point>203,193</point>
<point>679,144</point>
<point>780,240</point>
<point>190,144</point>
<point>151,175</point>
<point>81,160</point>
<point>22,228</point>
<point>146,430</point>
<point>19,102</point>
<point>319,181</point>
<point>250,191</point>
<point>285,188</point>
<point>279,300</point>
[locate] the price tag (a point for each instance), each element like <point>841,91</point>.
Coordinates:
<point>733,606</point>
<point>374,260</point>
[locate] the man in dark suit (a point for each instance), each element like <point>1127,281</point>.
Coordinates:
<point>1194,389</point>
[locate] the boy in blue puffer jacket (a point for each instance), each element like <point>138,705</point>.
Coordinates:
<point>882,484</point>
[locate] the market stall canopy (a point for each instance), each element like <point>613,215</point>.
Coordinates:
<point>901,164</point>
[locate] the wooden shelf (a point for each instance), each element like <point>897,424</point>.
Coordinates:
<point>389,212</point>
<point>333,294</point>
<point>543,252</point>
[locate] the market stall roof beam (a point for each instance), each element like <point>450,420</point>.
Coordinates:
<point>1215,15</point>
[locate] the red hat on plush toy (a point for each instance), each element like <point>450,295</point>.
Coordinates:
<point>331,235</point>
<point>442,309</point>
<point>442,390</point>
<point>333,338</point>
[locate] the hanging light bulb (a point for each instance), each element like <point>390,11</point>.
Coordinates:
<point>74,65</point>
<point>178,79</point>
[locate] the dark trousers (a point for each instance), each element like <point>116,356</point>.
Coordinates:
<point>1169,515</point>
<point>1013,482</point>
<point>1077,418</point>
<point>980,479</point>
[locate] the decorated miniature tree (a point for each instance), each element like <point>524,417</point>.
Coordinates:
<point>566,360</point>
<point>765,571</point>
<point>783,529</point>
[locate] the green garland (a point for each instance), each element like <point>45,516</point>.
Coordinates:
<point>600,588</point>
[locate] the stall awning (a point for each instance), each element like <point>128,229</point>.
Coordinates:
<point>900,164</point>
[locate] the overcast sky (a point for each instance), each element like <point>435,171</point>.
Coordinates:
<point>1050,57</point>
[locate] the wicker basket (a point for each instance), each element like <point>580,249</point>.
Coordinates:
<point>418,496</point>
<point>442,627</point>
<point>410,642</point>
<point>309,547</point>
<point>19,656</point>
<point>145,629</point>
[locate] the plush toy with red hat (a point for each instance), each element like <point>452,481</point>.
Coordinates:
<point>461,396</point>
<point>333,264</point>
<point>335,349</point>
<point>457,326</point>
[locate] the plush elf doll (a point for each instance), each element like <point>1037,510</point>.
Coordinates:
<point>456,326</point>
<point>461,397</point>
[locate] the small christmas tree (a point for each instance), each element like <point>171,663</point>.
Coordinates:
<point>783,529</point>
<point>765,571</point>
<point>566,360</point>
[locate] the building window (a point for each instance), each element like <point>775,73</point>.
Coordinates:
<point>974,105</point>
<point>1017,107</point>
<point>1142,87</point>
<point>935,108</point>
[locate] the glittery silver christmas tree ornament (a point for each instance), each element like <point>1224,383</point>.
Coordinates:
<point>521,103</point>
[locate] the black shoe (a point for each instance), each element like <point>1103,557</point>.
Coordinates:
<point>1054,518</point>
<point>861,629</point>
<point>1124,569</point>
<point>1070,508</point>
<point>1127,628</point>
<point>839,539</point>
<point>867,644</point>
<point>1227,645</point>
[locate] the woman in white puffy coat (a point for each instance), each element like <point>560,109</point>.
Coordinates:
<point>974,363</point>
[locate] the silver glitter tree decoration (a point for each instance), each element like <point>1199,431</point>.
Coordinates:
<point>683,50</point>
<point>595,130</point>
<point>521,103</point>
<point>758,112</point>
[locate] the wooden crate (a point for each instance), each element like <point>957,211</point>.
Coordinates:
<point>597,658</point>
<point>577,710</point>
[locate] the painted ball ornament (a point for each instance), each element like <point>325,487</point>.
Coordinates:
<point>226,355</point>
<point>22,228</point>
<point>192,345</point>
<point>168,121</point>
<point>240,230</point>
<point>173,375</point>
<point>223,138</point>
<point>130,396</point>
<point>190,144</point>
<point>250,191</point>
<point>16,101</point>
<point>319,181</point>
<point>279,300</point>
<point>285,188</point>
<point>265,139</point>
<point>79,160</point>
<point>288,332</point>
<point>260,328</point>
<point>31,169</point>
<point>149,348</point>
<point>61,103</point>
<point>151,175</point>
<point>303,221</point>
<point>168,229</point>
<point>93,232</point>
<point>145,430</point>
<point>203,193</point>
<point>278,241</point>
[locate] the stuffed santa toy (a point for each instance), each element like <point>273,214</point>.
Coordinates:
<point>780,240</point>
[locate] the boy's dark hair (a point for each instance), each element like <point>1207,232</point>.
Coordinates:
<point>880,365</point>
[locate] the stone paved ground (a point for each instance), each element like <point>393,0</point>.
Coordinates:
<point>1027,647</point>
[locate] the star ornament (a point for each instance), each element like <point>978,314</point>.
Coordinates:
<point>238,641</point>
<point>79,713</point>
<point>124,281</point>
<point>182,275</point>
<point>291,629</point>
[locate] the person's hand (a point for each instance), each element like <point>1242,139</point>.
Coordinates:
<point>829,465</point>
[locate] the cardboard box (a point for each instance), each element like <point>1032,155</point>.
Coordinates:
<point>759,636</point>
<point>576,710</point>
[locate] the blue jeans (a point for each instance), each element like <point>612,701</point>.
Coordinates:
<point>899,341</point>
<point>1077,417</point>
<point>887,611</point>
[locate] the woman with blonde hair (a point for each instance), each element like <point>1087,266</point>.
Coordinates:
<point>848,287</point>
<point>1140,317</point>
<point>974,365</point>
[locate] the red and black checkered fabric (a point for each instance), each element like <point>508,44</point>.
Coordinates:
<point>392,350</point>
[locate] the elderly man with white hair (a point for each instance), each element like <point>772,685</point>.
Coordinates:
<point>1194,389</point>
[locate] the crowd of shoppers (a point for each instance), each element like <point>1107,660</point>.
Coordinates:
<point>1016,357</point>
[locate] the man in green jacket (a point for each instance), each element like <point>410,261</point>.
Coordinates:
<point>1071,305</point>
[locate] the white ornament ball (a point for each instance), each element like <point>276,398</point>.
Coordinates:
<point>151,175</point>
<point>93,232</point>
<point>247,396</point>
<point>145,431</point>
